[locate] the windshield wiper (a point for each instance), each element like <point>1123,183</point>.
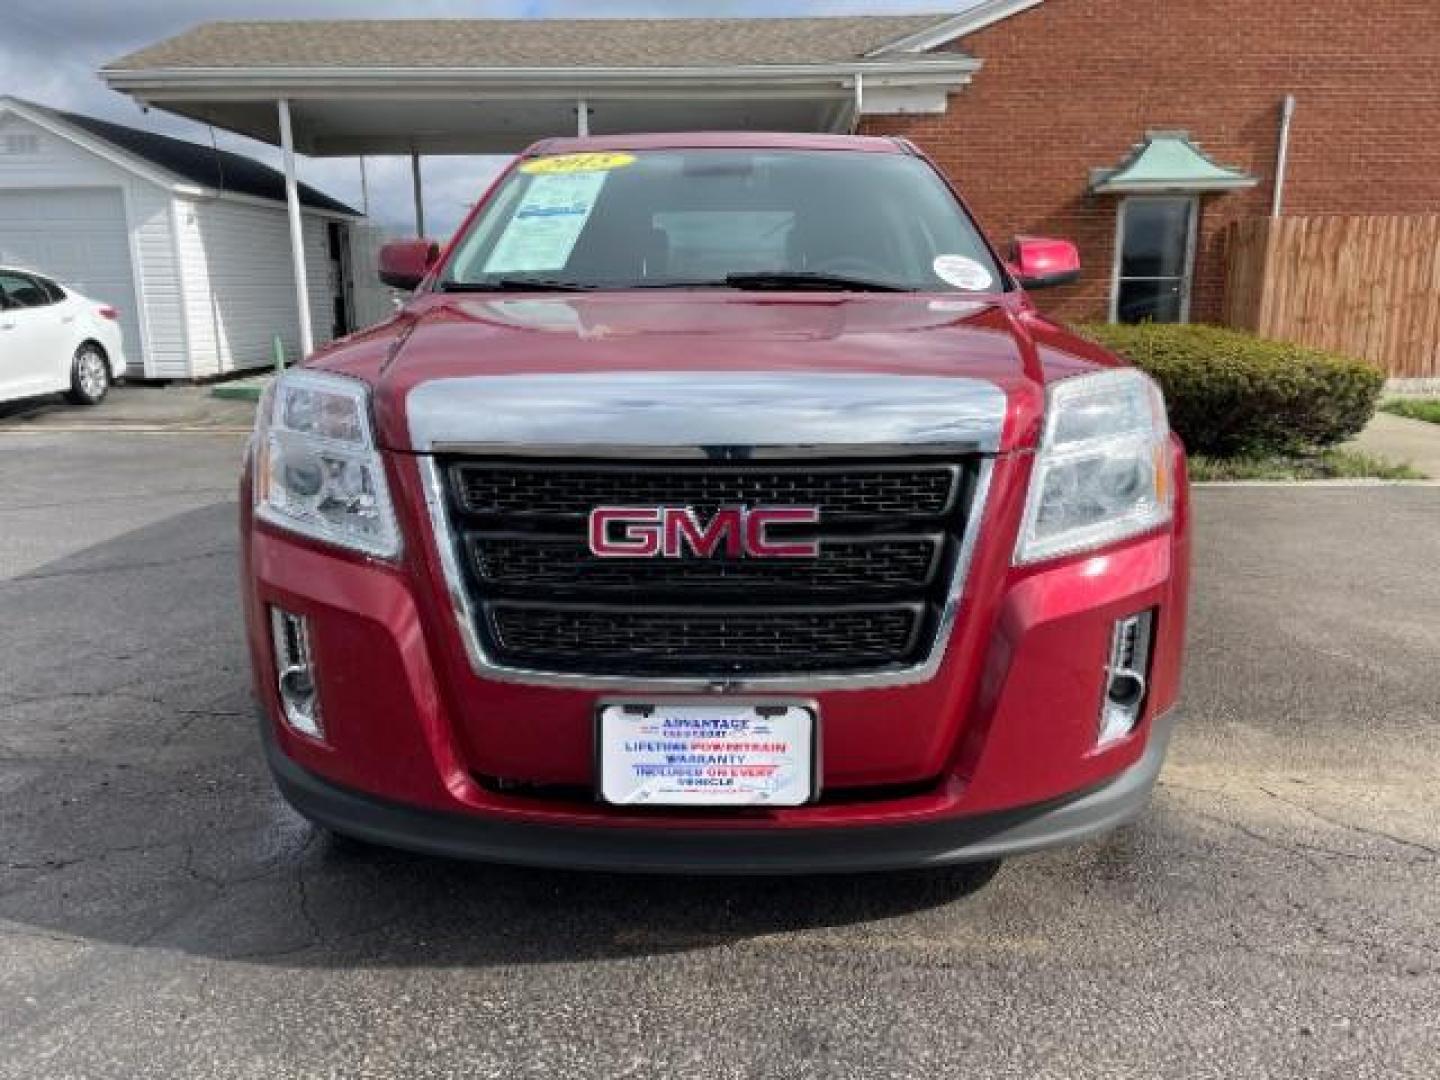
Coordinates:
<point>757,280</point>
<point>806,279</point>
<point>517,284</point>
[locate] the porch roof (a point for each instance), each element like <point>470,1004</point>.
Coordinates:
<point>512,43</point>
<point>493,86</point>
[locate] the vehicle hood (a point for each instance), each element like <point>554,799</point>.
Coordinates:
<point>704,368</point>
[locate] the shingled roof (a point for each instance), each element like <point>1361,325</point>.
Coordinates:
<point>197,163</point>
<point>538,43</point>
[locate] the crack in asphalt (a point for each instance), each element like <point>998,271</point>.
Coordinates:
<point>1294,847</point>
<point>302,892</point>
<point>1316,912</point>
<point>50,866</point>
<point>1363,830</point>
<point>1302,845</point>
<point>314,933</point>
<point>120,690</point>
<point>65,862</point>
<point>178,729</point>
<point>83,695</point>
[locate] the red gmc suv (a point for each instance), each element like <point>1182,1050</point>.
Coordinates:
<point>717,503</point>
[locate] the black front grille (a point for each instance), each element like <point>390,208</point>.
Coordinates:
<point>843,493</point>
<point>525,565</point>
<point>888,533</point>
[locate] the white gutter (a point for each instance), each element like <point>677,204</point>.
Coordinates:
<point>157,83</point>
<point>1282,155</point>
<point>198,192</point>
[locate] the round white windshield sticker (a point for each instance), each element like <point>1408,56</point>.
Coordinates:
<point>963,272</point>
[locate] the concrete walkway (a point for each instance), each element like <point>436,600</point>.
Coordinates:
<point>1402,441</point>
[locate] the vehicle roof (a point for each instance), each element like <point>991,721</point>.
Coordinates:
<point>724,140</point>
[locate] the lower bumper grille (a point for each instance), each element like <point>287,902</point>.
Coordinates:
<point>871,600</point>
<point>601,641</point>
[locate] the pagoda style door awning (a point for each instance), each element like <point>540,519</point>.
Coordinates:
<point>1168,161</point>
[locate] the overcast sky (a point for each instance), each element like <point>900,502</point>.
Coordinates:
<point>50,50</point>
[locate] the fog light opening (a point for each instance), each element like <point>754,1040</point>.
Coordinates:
<point>1125,677</point>
<point>299,697</point>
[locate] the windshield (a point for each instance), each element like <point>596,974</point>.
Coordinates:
<point>830,219</point>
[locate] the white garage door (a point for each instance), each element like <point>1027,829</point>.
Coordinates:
<point>78,237</point>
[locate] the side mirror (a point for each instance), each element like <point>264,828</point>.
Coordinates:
<point>404,263</point>
<point>1041,263</point>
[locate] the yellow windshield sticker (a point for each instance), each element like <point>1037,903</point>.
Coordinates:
<point>573,163</point>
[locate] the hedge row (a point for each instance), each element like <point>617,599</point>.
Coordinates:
<point>1231,393</point>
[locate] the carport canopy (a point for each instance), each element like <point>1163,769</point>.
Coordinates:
<point>487,86</point>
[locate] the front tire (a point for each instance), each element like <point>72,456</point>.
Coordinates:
<point>89,375</point>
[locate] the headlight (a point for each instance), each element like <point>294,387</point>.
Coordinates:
<point>1103,470</point>
<point>317,471</point>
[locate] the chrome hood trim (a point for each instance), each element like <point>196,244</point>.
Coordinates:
<point>674,413</point>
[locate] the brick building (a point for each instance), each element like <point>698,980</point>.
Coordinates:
<point>1068,86</point>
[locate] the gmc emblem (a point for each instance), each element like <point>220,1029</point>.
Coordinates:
<point>643,532</point>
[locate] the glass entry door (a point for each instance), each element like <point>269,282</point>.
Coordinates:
<point>1154,259</point>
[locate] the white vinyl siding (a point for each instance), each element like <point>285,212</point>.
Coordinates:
<point>318,276</point>
<point>239,288</point>
<point>162,308</point>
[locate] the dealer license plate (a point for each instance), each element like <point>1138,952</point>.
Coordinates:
<point>707,755</point>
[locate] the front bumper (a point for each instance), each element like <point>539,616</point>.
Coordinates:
<point>996,755</point>
<point>1064,821</point>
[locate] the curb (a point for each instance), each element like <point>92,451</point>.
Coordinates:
<point>1343,484</point>
<point>248,387</point>
<point>237,393</point>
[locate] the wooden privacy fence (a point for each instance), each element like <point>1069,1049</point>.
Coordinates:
<point>1368,287</point>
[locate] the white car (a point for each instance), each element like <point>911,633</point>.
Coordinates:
<point>54,340</point>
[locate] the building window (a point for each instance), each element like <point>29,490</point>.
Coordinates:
<point>1154,259</point>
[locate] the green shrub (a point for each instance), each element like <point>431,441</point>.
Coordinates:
<point>1232,393</point>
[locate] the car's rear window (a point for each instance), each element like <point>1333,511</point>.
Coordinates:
<point>694,217</point>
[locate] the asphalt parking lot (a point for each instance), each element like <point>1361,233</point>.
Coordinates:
<point>163,915</point>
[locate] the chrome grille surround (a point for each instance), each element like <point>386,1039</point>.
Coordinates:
<point>939,419</point>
